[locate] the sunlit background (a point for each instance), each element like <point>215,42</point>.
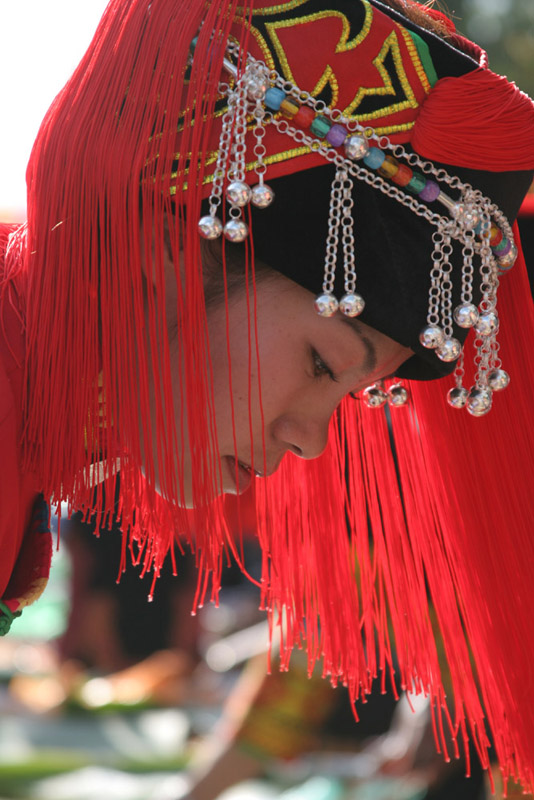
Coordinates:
<point>43,41</point>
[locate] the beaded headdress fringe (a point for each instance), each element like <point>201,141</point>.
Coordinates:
<point>88,403</point>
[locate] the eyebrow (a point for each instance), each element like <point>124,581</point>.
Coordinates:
<point>370,350</point>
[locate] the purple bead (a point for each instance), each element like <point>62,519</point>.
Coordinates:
<point>336,135</point>
<point>430,191</point>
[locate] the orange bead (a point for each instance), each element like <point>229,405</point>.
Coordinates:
<point>389,167</point>
<point>403,176</point>
<point>495,236</point>
<point>289,108</point>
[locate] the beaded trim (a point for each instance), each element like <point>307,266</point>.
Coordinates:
<point>357,151</point>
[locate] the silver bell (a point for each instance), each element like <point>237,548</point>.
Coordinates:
<point>326,305</point>
<point>374,396</point>
<point>210,227</point>
<point>498,379</point>
<point>488,323</point>
<point>356,146</point>
<point>457,397</point>
<point>479,402</point>
<point>466,315</point>
<point>450,350</point>
<point>431,337</point>
<point>397,395</point>
<point>238,193</point>
<point>236,230</point>
<point>351,304</point>
<point>262,195</point>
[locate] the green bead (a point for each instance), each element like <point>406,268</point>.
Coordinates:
<point>320,127</point>
<point>417,183</point>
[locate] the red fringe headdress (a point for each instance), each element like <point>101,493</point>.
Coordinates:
<point>450,514</point>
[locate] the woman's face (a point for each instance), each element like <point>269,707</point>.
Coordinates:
<point>307,365</point>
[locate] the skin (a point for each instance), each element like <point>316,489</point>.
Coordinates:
<point>308,364</point>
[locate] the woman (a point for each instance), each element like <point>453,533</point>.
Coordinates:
<point>196,363</point>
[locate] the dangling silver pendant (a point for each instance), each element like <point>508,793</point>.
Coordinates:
<point>432,337</point>
<point>398,395</point>
<point>238,193</point>
<point>262,195</point>
<point>466,315</point>
<point>236,230</point>
<point>479,402</point>
<point>487,324</point>
<point>498,380</point>
<point>457,397</point>
<point>351,304</point>
<point>374,396</point>
<point>210,227</point>
<point>450,350</point>
<point>326,305</point>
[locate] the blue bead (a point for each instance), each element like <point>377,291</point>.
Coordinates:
<point>273,98</point>
<point>374,158</point>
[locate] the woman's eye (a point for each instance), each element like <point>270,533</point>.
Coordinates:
<point>320,367</point>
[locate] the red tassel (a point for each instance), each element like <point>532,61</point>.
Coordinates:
<point>466,122</point>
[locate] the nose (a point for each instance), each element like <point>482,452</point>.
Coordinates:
<point>306,438</point>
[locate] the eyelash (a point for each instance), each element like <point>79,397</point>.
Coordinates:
<point>320,367</point>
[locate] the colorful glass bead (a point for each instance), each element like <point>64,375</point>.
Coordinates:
<point>320,126</point>
<point>430,191</point>
<point>262,195</point>
<point>450,350</point>
<point>210,227</point>
<point>326,305</point>
<point>457,397</point>
<point>397,395</point>
<point>503,247</point>
<point>466,315</point>
<point>374,157</point>
<point>304,117</point>
<point>235,230</point>
<point>356,146</point>
<point>403,175</point>
<point>238,193</point>
<point>417,183</point>
<point>431,337</point>
<point>389,167</point>
<point>273,98</point>
<point>289,108</point>
<point>496,236</point>
<point>498,379</point>
<point>374,397</point>
<point>507,261</point>
<point>336,135</point>
<point>479,402</point>
<point>488,323</point>
<point>351,304</point>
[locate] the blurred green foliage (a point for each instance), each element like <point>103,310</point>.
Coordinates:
<point>505,28</point>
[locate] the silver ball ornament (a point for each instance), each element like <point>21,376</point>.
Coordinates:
<point>431,337</point>
<point>236,230</point>
<point>326,305</point>
<point>465,215</point>
<point>398,395</point>
<point>488,323</point>
<point>466,315</point>
<point>374,397</point>
<point>356,146</point>
<point>351,304</point>
<point>238,193</point>
<point>457,397</point>
<point>262,195</point>
<point>450,350</point>
<point>498,379</point>
<point>210,227</point>
<point>256,87</point>
<point>479,402</point>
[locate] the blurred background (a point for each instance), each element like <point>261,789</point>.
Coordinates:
<point>105,695</point>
